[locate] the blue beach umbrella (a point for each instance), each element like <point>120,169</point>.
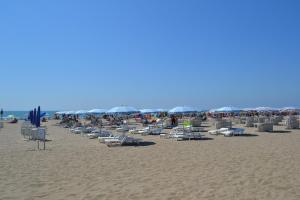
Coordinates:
<point>38,117</point>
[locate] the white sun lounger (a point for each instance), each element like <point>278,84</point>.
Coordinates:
<point>122,140</point>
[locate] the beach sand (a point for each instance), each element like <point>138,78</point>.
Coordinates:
<point>266,166</point>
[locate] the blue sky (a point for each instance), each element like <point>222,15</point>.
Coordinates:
<point>98,54</point>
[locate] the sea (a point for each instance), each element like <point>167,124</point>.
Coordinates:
<point>24,114</point>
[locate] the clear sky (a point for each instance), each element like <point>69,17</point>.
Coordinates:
<point>98,54</point>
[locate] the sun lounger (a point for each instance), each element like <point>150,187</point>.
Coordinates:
<point>233,132</point>
<point>150,130</point>
<point>218,131</point>
<point>123,128</point>
<point>98,133</point>
<point>227,131</point>
<point>122,140</point>
<point>182,134</point>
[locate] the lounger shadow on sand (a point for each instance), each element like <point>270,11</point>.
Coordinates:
<point>281,131</point>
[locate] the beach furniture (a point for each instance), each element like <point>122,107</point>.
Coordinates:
<point>76,130</point>
<point>227,132</point>
<point>180,133</point>
<point>233,132</point>
<point>122,141</point>
<point>218,131</point>
<point>123,128</point>
<point>98,133</point>
<point>292,122</point>
<point>264,127</point>
<point>150,130</point>
<point>223,124</point>
<point>249,122</point>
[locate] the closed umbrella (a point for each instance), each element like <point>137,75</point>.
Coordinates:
<point>34,117</point>
<point>38,117</point>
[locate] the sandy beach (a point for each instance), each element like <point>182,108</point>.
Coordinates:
<point>265,166</point>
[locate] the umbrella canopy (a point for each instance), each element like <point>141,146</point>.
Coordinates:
<point>226,109</point>
<point>81,112</point>
<point>248,109</point>
<point>289,109</point>
<point>265,109</point>
<point>161,110</point>
<point>10,117</point>
<point>61,112</point>
<point>97,111</point>
<point>182,109</point>
<point>148,111</point>
<point>71,112</point>
<point>123,109</point>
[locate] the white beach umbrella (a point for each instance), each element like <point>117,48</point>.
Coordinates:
<point>148,111</point>
<point>248,109</point>
<point>161,110</point>
<point>182,109</point>
<point>289,109</point>
<point>81,112</point>
<point>97,111</point>
<point>60,112</point>
<point>226,109</point>
<point>71,112</point>
<point>265,109</point>
<point>122,109</point>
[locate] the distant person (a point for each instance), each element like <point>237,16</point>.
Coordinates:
<point>1,113</point>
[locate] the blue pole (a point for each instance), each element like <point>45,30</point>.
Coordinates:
<point>31,117</point>
<point>38,117</point>
<point>34,117</point>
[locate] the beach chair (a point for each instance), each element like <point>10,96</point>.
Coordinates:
<point>98,133</point>
<point>233,132</point>
<point>122,140</point>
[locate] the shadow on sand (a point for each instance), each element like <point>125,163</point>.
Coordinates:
<point>142,144</point>
<point>202,138</point>
<point>281,131</point>
<point>248,135</point>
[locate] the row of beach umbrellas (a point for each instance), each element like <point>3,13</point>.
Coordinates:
<point>176,110</point>
<point>258,109</point>
<point>129,109</point>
